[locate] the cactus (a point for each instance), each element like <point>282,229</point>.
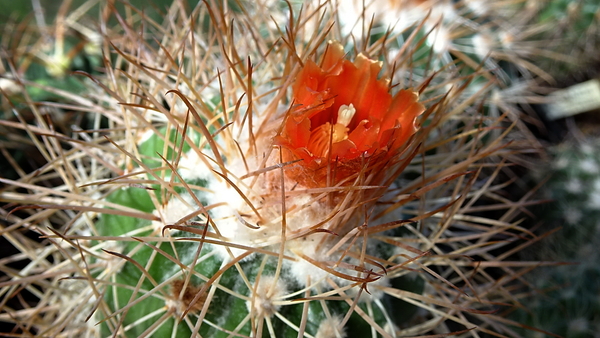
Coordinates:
<point>565,301</point>
<point>575,35</point>
<point>226,187</point>
<point>45,53</point>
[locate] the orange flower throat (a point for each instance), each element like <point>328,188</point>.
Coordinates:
<point>321,136</point>
<point>344,118</point>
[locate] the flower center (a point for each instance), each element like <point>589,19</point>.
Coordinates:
<point>321,136</point>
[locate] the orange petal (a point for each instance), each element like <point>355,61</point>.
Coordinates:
<point>366,136</point>
<point>342,150</point>
<point>372,97</point>
<point>333,58</point>
<point>297,132</point>
<point>404,109</point>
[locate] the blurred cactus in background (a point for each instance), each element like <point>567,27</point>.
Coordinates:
<point>45,50</point>
<point>269,168</point>
<point>575,34</point>
<point>567,301</point>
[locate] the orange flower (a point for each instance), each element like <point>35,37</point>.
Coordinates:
<point>344,117</point>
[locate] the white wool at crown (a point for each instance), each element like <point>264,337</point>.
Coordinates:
<point>193,167</point>
<point>175,210</point>
<point>307,213</point>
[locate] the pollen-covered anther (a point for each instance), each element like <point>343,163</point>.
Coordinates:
<point>345,115</point>
<point>265,301</point>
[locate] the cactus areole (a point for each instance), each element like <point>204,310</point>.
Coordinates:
<point>342,116</point>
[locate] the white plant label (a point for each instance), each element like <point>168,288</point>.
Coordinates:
<point>579,98</point>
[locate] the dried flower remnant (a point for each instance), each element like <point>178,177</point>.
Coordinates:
<point>185,300</point>
<point>344,119</point>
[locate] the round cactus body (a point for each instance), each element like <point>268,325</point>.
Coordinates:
<point>253,173</point>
